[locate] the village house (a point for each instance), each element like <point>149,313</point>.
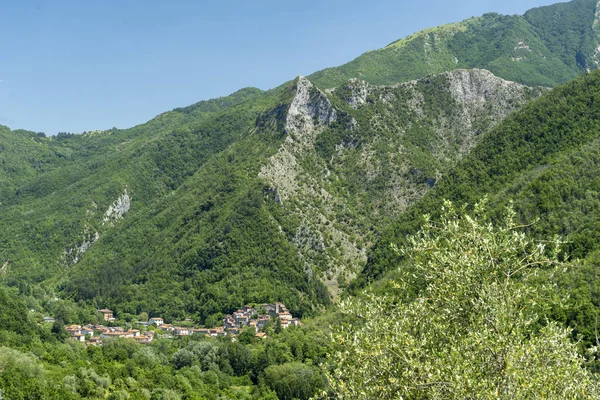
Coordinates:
<point>107,314</point>
<point>218,332</point>
<point>285,316</point>
<point>143,339</point>
<point>179,331</point>
<point>262,321</point>
<point>110,335</point>
<point>95,341</point>
<point>87,334</point>
<point>234,331</point>
<point>73,330</point>
<point>88,330</point>
<point>248,316</point>
<point>229,322</point>
<point>78,338</point>
<point>133,333</point>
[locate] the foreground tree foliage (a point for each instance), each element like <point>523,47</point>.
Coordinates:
<point>465,321</point>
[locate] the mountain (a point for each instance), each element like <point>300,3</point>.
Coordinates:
<point>295,194</point>
<point>375,151</point>
<point>545,160</point>
<point>542,158</point>
<point>546,46</point>
<point>270,195</point>
<point>259,197</point>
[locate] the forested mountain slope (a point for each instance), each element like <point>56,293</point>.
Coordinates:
<point>62,204</point>
<point>544,159</point>
<point>278,195</point>
<point>258,197</point>
<point>545,46</point>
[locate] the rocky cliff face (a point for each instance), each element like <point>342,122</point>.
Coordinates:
<point>360,154</point>
<point>596,31</point>
<point>310,108</point>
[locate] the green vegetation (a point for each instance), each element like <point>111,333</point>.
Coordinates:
<point>544,159</point>
<point>465,320</point>
<point>200,236</point>
<point>227,202</point>
<point>205,232</point>
<point>547,46</point>
<point>36,364</point>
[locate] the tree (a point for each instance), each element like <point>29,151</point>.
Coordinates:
<point>183,358</point>
<point>293,380</point>
<point>278,327</point>
<point>14,314</point>
<point>59,331</point>
<point>465,321</point>
<point>143,317</point>
<point>247,336</point>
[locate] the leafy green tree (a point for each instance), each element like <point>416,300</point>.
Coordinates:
<point>463,322</point>
<point>183,358</point>
<point>58,330</point>
<point>277,327</point>
<point>293,380</point>
<point>247,336</point>
<point>14,314</point>
<point>206,352</point>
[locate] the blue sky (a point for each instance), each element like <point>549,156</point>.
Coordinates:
<point>82,65</point>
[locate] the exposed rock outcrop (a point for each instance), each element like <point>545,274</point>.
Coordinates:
<point>118,209</point>
<point>310,109</point>
<point>405,135</point>
<point>74,254</point>
<point>596,29</point>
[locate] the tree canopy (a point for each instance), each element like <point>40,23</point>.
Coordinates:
<point>466,320</point>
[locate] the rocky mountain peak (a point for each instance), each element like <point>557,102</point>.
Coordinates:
<point>480,85</point>
<point>310,108</point>
<point>354,92</point>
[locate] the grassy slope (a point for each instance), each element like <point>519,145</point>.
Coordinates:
<point>547,46</point>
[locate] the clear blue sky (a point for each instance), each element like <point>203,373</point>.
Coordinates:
<point>78,65</point>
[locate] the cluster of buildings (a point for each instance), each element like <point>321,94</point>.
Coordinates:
<point>259,316</point>
<point>94,334</point>
<point>185,331</point>
<point>247,317</point>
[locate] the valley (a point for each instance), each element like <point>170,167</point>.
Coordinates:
<point>431,205</point>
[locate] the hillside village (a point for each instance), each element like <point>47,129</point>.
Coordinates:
<point>256,317</point>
